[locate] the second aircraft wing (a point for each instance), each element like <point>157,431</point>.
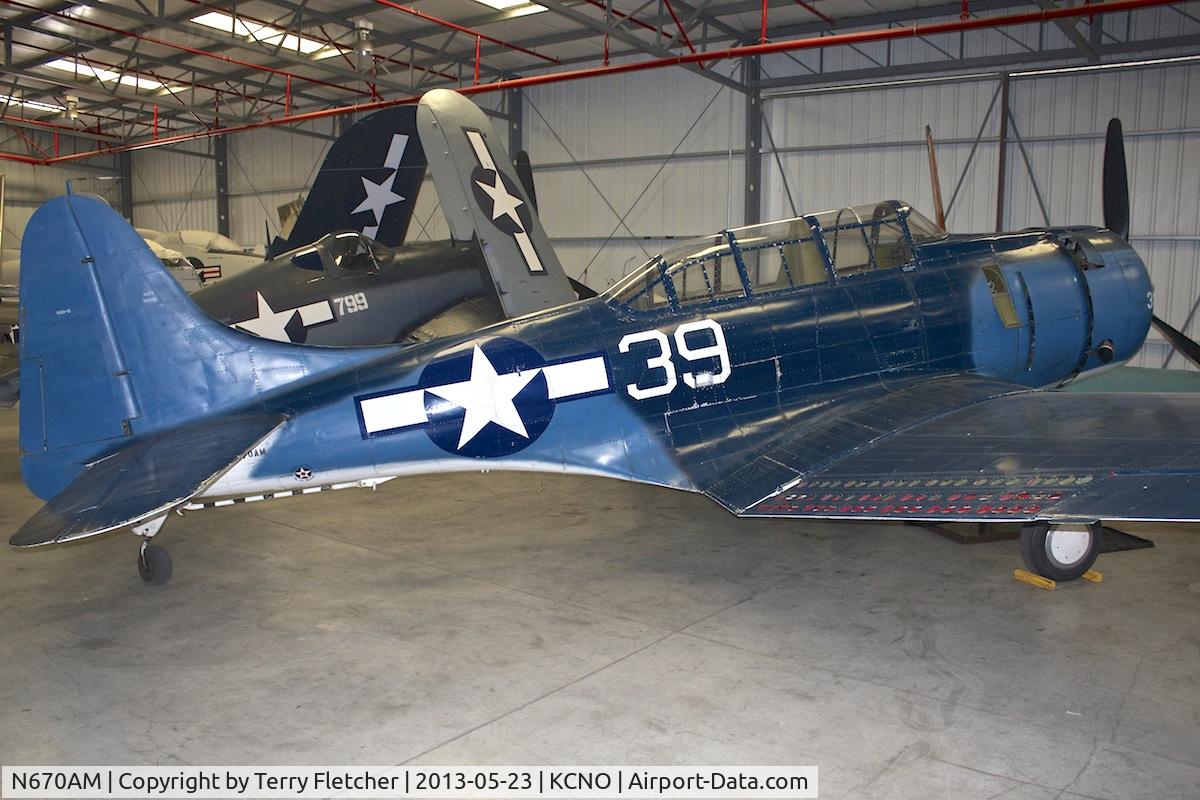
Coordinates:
<point>960,448</point>
<point>482,196</point>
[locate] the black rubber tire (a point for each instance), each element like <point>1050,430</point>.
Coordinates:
<point>1039,561</point>
<point>154,565</point>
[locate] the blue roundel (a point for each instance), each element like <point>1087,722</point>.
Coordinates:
<point>486,401</point>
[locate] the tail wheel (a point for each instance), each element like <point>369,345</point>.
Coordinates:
<point>154,564</point>
<point>1060,552</point>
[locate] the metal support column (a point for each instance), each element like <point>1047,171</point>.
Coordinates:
<point>515,106</point>
<point>1002,156</point>
<point>752,213</point>
<point>221,164</point>
<point>125,170</point>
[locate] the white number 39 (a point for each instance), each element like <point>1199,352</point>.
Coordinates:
<point>662,361</point>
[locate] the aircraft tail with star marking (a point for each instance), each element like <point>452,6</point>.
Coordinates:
<point>115,355</point>
<point>369,182</point>
<point>483,197</point>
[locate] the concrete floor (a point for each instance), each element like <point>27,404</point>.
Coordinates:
<point>539,620</point>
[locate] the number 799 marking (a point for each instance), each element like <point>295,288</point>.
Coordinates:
<point>351,303</point>
<point>662,361</point>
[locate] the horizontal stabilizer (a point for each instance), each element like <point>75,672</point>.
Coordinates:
<point>148,478</point>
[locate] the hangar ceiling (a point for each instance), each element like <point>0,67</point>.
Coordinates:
<point>92,78</point>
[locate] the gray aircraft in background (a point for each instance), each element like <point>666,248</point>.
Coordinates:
<point>343,275</point>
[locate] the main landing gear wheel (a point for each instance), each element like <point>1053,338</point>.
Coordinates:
<point>1060,552</point>
<point>154,564</point>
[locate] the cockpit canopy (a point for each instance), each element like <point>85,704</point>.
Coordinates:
<point>341,252</point>
<point>813,248</point>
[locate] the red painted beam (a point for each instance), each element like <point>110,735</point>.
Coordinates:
<point>811,43</point>
<point>679,26</point>
<point>41,123</point>
<point>20,159</point>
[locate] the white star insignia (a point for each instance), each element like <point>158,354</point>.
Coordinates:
<point>503,203</point>
<point>487,397</point>
<point>379,197</point>
<point>269,324</point>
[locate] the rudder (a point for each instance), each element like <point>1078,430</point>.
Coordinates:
<point>369,182</point>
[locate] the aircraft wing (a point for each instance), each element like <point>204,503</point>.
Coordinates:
<point>481,195</point>
<point>145,479</point>
<point>960,448</point>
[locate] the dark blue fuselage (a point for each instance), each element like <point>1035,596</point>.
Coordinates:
<point>668,393</point>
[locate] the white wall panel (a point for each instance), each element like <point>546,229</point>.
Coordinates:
<point>840,149</point>
<point>602,214</point>
<point>27,187</point>
<point>174,190</point>
<point>268,168</point>
<point>428,224</point>
<point>629,115</point>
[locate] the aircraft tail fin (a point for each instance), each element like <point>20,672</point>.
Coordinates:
<point>525,173</point>
<point>369,182</point>
<point>482,196</point>
<point>112,349</point>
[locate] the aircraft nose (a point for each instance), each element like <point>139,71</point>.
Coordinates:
<point>1122,302</point>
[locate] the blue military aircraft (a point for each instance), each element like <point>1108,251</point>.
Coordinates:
<point>851,364</point>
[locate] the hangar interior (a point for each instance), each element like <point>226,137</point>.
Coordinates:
<point>583,620</point>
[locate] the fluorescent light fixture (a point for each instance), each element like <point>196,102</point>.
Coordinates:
<point>34,104</point>
<point>1166,61</point>
<point>264,34</point>
<point>85,70</point>
<point>519,7</point>
<point>883,84</point>
<point>1149,62</point>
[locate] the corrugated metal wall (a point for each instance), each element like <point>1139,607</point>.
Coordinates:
<point>847,148</point>
<point>27,187</point>
<point>268,168</point>
<point>173,189</point>
<point>610,189</point>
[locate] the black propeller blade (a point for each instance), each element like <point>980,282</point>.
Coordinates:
<point>525,173</point>
<point>1116,181</point>
<point>1116,219</point>
<point>1178,340</point>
